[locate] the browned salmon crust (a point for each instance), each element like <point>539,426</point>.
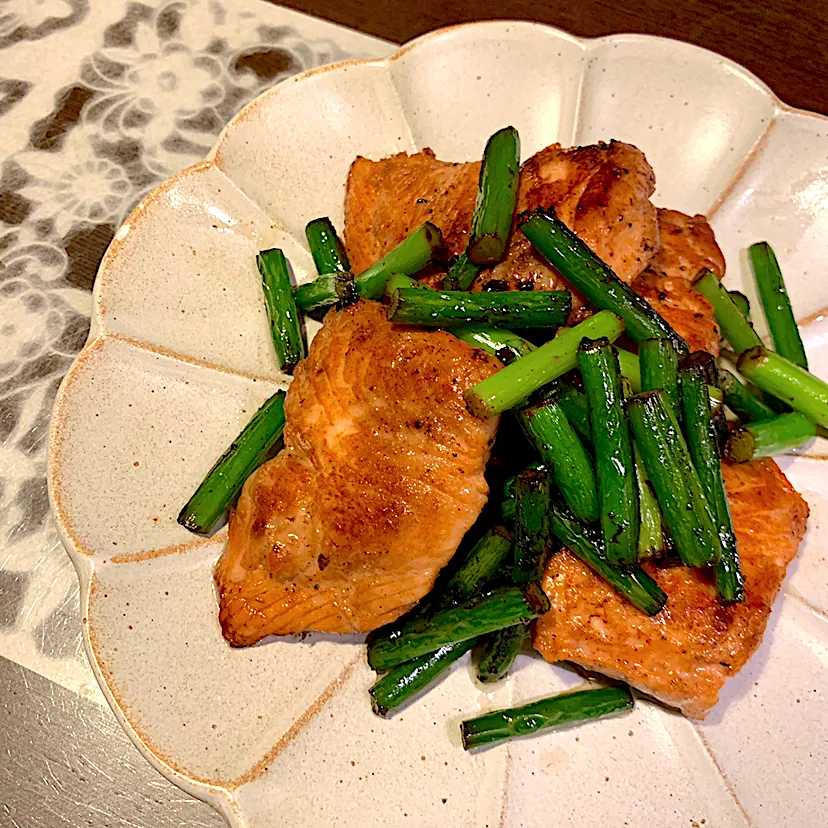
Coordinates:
<point>683,655</point>
<point>386,200</point>
<point>688,245</point>
<point>601,191</point>
<point>380,477</point>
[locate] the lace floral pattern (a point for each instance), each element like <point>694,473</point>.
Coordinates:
<point>150,99</point>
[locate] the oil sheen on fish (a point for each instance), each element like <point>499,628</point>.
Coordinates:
<point>380,477</point>
<point>683,655</point>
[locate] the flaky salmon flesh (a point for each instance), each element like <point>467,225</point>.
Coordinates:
<point>683,655</point>
<point>380,477</point>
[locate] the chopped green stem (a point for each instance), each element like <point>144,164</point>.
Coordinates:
<point>767,438</point>
<point>546,714</point>
<point>498,342</point>
<point>734,325</point>
<point>659,369</point>
<point>507,506</point>
<point>788,382</point>
<point>281,308</point>
<point>497,189</point>
<point>630,368</point>
<point>327,250</point>
<point>499,608</point>
<point>513,309</point>
<point>612,447</point>
<point>702,442</point>
<point>478,567</point>
<point>401,684</point>
<point>461,274</point>
<point>586,543</point>
<point>517,381</point>
<point>409,257</point>
<point>746,405</point>
<point>547,427</point>
<point>776,305</point>
<point>652,541</point>
<point>225,480</point>
<point>499,651</point>
<point>574,405</point>
<point>316,298</point>
<point>593,277</point>
<point>531,525</point>
<point>346,292</point>
<point>741,301</point>
<point>400,280</point>
<point>666,457</point>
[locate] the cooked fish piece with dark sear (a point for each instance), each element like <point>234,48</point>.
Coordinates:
<point>380,477</point>
<point>601,192</point>
<point>688,245</point>
<point>683,655</point>
<point>388,199</point>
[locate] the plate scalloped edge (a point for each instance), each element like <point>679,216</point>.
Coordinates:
<point>152,324</point>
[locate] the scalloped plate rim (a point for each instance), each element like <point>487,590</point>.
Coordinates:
<point>220,797</point>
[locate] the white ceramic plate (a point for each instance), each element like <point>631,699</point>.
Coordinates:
<point>179,357</point>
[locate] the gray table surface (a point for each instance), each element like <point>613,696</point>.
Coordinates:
<point>99,103</point>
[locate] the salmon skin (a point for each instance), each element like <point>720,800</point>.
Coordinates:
<point>380,477</point>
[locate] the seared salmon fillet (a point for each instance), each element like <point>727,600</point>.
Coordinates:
<point>601,192</point>
<point>386,200</point>
<point>380,477</point>
<point>688,245</point>
<point>683,655</point>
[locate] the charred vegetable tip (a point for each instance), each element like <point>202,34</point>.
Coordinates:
<point>612,446</point>
<point>734,325</point>
<point>409,257</point>
<point>546,714</point>
<point>513,309</point>
<point>281,308</point>
<point>593,277</point>
<point>497,189</point>
<point>776,305</point>
<point>225,480</point>
<point>767,438</point>
<point>513,385</point>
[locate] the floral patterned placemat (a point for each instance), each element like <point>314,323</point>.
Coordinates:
<point>99,103</point>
